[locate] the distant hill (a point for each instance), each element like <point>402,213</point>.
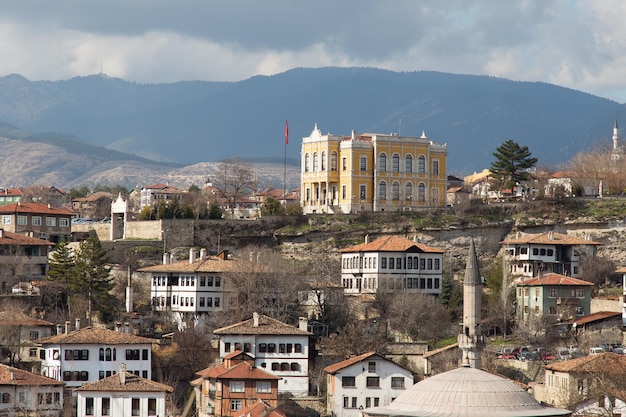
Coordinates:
<point>193,122</point>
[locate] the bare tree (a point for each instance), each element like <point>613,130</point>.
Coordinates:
<point>597,269</point>
<point>419,316</point>
<point>357,337</point>
<point>267,283</point>
<point>234,179</point>
<point>537,330</point>
<point>600,163</point>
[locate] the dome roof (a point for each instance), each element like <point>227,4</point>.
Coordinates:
<point>465,392</point>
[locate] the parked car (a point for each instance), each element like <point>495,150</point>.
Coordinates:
<point>547,356</point>
<point>619,350</point>
<point>508,355</point>
<point>596,350</point>
<point>563,354</point>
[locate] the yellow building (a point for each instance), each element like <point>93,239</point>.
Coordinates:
<point>371,172</point>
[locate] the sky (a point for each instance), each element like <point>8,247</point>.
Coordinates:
<point>580,44</point>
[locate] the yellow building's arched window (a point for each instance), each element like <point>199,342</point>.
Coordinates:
<point>382,190</point>
<point>421,164</point>
<point>421,192</point>
<point>395,190</point>
<point>333,161</point>
<point>382,162</point>
<point>315,162</point>
<point>408,191</point>
<point>323,161</point>
<point>395,163</point>
<point>307,166</point>
<point>435,167</point>
<point>408,163</point>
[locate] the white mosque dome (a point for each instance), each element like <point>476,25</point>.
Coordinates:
<point>465,392</point>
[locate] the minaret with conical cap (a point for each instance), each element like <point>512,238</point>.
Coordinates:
<point>470,339</point>
<point>616,145</point>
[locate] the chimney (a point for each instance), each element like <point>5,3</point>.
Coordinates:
<point>166,258</point>
<point>192,255</point>
<point>303,323</point>
<point>126,327</point>
<point>118,326</point>
<point>223,255</point>
<point>123,373</point>
<point>1,233</point>
<point>171,258</point>
<point>367,238</point>
<point>77,323</point>
<point>255,319</point>
<point>59,329</point>
<point>202,254</point>
<point>49,206</point>
<point>353,137</point>
<point>67,327</point>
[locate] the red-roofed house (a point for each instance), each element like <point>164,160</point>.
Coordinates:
<point>260,409</point>
<point>90,354</point>
<point>234,385</point>
<point>20,333</point>
<point>364,381</point>
<point>528,254</point>
<point>277,347</point>
<point>10,196</point>
<point>22,259</point>
<point>558,296</point>
<point>151,194</point>
<point>590,386</point>
<point>37,220</point>
<point>391,263</point>
<point>23,393</point>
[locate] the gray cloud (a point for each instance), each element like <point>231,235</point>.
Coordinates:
<point>574,43</point>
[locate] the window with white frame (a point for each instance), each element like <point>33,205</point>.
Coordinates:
<point>51,221</point>
<point>36,221</point>
<point>263,386</point>
<point>237,386</point>
<point>22,220</point>
<point>64,222</point>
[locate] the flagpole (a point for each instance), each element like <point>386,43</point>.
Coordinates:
<point>285,163</point>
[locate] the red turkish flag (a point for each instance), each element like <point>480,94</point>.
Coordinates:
<point>286,132</point>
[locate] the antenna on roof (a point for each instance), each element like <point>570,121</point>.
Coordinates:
<point>399,126</point>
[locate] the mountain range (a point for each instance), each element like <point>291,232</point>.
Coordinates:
<point>98,129</point>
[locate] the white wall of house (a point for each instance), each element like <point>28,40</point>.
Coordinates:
<point>90,403</point>
<point>348,401</point>
<point>194,293</point>
<point>58,359</point>
<point>40,400</point>
<point>290,351</point>
<point>366,272</point>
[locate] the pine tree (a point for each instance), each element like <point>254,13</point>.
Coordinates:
<point>93,279</point>
<point>512,164</point>
<point>62,270</point>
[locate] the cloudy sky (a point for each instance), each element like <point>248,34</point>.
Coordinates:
<point>578,44</point>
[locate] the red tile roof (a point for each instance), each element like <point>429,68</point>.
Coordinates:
<point>11,192</point>
<point>331,369</point>
<point>132,383</point>
<point>604,362</point>
<point>551,278</point>
<point>92,335</point>
<point>550,238</point>
<point>260,409</point>
<point>13,376</point>
<point>18,319</point>
<point>267,325</point>
<point>601,315</point>
<point>210,264</point>
<point>242,370</point>
<point>34,208</point>
<point>16,239</point>
<point>392,244</point>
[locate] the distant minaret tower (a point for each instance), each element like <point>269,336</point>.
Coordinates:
<point>471,339</point>
<point>616,144</point>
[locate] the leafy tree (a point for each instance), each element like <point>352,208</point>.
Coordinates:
<point>451,296</point>
<point>512,164</point>
<point>215,212</point>
<point>271,207</point>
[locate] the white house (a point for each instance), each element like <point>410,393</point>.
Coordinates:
<point>364,381</point>
<point>90,354</point>
<point>531,254</point>
<point>25,393</point>
<point>393,264</point>
<point>276,347</point>
<point>192,286</point>
<point>124,394</point>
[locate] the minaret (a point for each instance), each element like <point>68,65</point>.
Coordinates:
<point>470,339</point>
<point>616,147</point>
